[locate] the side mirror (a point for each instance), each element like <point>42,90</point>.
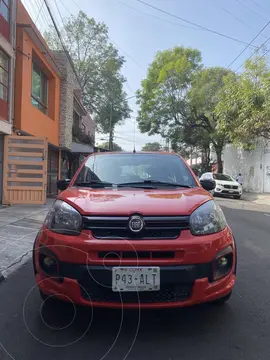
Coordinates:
<point>63,184</point>
<point>208,184</point>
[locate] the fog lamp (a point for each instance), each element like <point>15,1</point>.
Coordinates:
<point>223,261</point>
<point>48,261</point>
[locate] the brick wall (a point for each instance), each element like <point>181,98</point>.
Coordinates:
<point>69,88</point>
<point>69,84</point>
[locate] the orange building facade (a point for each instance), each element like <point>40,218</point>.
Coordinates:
<point>51,131</point>
<point>37,92</point>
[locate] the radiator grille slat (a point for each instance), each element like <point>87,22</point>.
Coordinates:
<point>155,227</point>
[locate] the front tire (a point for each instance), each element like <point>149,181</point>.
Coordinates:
<point>222,300</point>
<point>237,197</point>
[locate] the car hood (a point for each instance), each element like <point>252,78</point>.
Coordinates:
<point>130,201</point>
<point>224,182</point>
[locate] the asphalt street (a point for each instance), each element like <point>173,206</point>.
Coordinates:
<point>239,330</point>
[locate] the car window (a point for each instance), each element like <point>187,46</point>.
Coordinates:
<point>222,177</point>
<point>207,176</point>
<point>121,168</point>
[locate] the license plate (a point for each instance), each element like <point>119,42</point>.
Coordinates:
<point>231,191</point>
<point>135,279</point>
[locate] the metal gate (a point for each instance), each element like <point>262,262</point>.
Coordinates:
<point>25,170</point>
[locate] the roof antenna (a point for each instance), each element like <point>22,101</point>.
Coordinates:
<point>134,139</point>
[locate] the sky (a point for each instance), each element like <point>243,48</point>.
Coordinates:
<point>139,32</point>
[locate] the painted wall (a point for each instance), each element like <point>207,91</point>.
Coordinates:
<point>253,165</point>
<point>27,117</point>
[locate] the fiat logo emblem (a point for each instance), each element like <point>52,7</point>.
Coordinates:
<point>136,223</point>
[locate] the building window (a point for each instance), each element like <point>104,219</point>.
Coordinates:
<point>4,67</point>
<point>4,9</point>
<point>39,96</point>
<point>76,119</point>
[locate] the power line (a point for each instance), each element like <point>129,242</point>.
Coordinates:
<point>108,37</point>
<point>61,17</point>
<point>123,51</point>
<point>247,7</point>
<point>156,17</point>
<point>254,54</point>
<point>192,23</point>
<point>237,18</point>
<point>255,3</point>
<point>40,9</point>
<point>45,19</point>
<point>61,40</point>
<point>241,52</point>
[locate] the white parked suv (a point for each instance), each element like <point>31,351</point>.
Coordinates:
<point>225,185</point>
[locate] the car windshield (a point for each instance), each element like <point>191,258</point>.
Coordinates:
<point>222,177</point>
<point>135,169</point>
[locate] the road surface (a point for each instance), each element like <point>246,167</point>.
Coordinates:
<point>239,330</point>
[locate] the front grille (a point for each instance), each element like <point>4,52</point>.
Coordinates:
<point>229,192</point>
<point>156,227</point>
<point>167,293</point>
<point>231,187</point>
<point>143,235</point>
<point>136,255</point>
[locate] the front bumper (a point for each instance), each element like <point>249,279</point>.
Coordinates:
<point>185,279</point>
<point>199,291</point>
<point>229,192</point>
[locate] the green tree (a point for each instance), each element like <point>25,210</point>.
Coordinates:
<point>153,146</point>
<point>162,98</point>
<point>244,110</point>
<point>98,65</point>
<point>205,94</point>
<point>115,147</point>
<point>178,100</point>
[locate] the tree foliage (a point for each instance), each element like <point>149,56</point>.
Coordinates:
<point>152,146</point>
<point>178,99</point>
<point>115,147</point>
<point>162,98</point>
<point>205,94</point>
<point>98,65</point>
<point>244,110</point>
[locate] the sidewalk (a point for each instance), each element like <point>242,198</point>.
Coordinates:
<point>19,225</point>
<point>260,199</point>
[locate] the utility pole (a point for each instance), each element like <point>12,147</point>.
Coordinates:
<point>111,131</point>
<point>134,139</point>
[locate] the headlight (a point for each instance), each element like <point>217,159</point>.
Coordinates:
<point>63,219</point>
<point>207,219</point>
<point>218,184</point>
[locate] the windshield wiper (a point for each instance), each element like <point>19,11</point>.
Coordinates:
<point>95,183</point>
<point>153,182</point>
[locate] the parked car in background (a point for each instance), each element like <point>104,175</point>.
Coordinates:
<point>116,239</point>
<point>225,185</point>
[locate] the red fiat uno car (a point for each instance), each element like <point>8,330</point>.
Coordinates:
<point>135,230</point>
